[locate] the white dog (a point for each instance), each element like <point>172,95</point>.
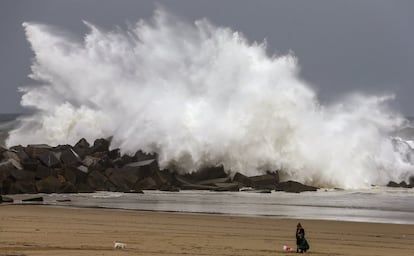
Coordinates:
<point>118,245</point>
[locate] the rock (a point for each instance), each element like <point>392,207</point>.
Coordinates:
<point>33,199</point>
<point>207,173</point>
<point>49,159</point>
<point>34,151</point>
<point>11,163</point>
<point>104,163</point>
<point>294,187</point>
<point>114,154</point>
<point>411,181</point>
<point>83,169</point>
<point>75,176</point>
<point>122,179</point>
<point>63,200</point>
<point>84,188</point>
<point>267,181</point>
<point>11,155</point>
<point>169,188</point>
<point>97,180</point>
<point>68,187</point>
<point>22,175</point>
<point>184,183</point>
<point>82,143</point>
<point>5,185</point>
<point>146,184</point>
<point>90,162</point>
<point>260,191</point>
<point>133,191</point>
<point>20,151</point>
<point>226,186</point>
<point>23,187</point>
<point>70,157</point>
<point>243,180</point>
<point>100,145</point>
<point>393,184</point>
<point>143,168</point>
<point>404,184</point>
<point>16,164</point>
<point>4,199</point>
<point>214,181</point>
<point>82,148</point>
<point>5,169</point>
<point>48,185</point>
<point>126,159</point>
<point>2,150</point>
<point>30,164</point>
<point>69,175</point>
<point>42,172</point>
<point>142,156</point>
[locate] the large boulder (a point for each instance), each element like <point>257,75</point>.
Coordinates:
<point>5,185</point>
<point>2,150</point>
<point>23,187</point>
<point>142,156</point>
<point>100,145</point>
<point>402,184</point>
<point>30,164</point>
<point>49,159</point>
<point>91,162</point>
<point>143,168</point>
<point>34,151</point>
<point>69,175</point>
<point>214,181</point>
<point>69,157</point>
<point>5,169</point>
<point>184,183</point>
<point>294,187</point>
<point>267,181</point>
<point>122,179</point>
<point>226,186</point>
<point>147,183</point>
<point>50,184</point>
<point>22,174</point>
<point>42,172</point>
<point>82,148</point>
<point>20,151</point>
<point>207,173</point>
<point>242,180</point>
<point>97,180</point>
<point>12,162</point>
<point>114,154</point>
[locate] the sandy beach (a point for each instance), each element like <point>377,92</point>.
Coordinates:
<point>48,230</point>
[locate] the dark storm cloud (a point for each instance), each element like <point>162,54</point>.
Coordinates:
<point>342,46</point>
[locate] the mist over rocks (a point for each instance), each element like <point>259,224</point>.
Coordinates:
<point>46,169</point>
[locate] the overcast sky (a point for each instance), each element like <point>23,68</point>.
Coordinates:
<point>342,46</point>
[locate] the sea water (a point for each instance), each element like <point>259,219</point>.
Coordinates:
<point>380,205</point>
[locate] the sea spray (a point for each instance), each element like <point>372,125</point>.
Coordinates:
<point>199,94</point>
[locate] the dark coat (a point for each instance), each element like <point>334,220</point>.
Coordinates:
<point>300,235</point>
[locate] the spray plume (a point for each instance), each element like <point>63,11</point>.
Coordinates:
<point>198,94</point>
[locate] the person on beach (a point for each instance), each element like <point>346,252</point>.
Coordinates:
<point>301,243</point>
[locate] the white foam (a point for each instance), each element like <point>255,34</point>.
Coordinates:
<point>198,94</point>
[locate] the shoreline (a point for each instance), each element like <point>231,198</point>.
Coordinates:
<point>276,217</point>
<point>56,230</point>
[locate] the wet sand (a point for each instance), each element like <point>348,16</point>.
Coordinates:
<point>48,230</point>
